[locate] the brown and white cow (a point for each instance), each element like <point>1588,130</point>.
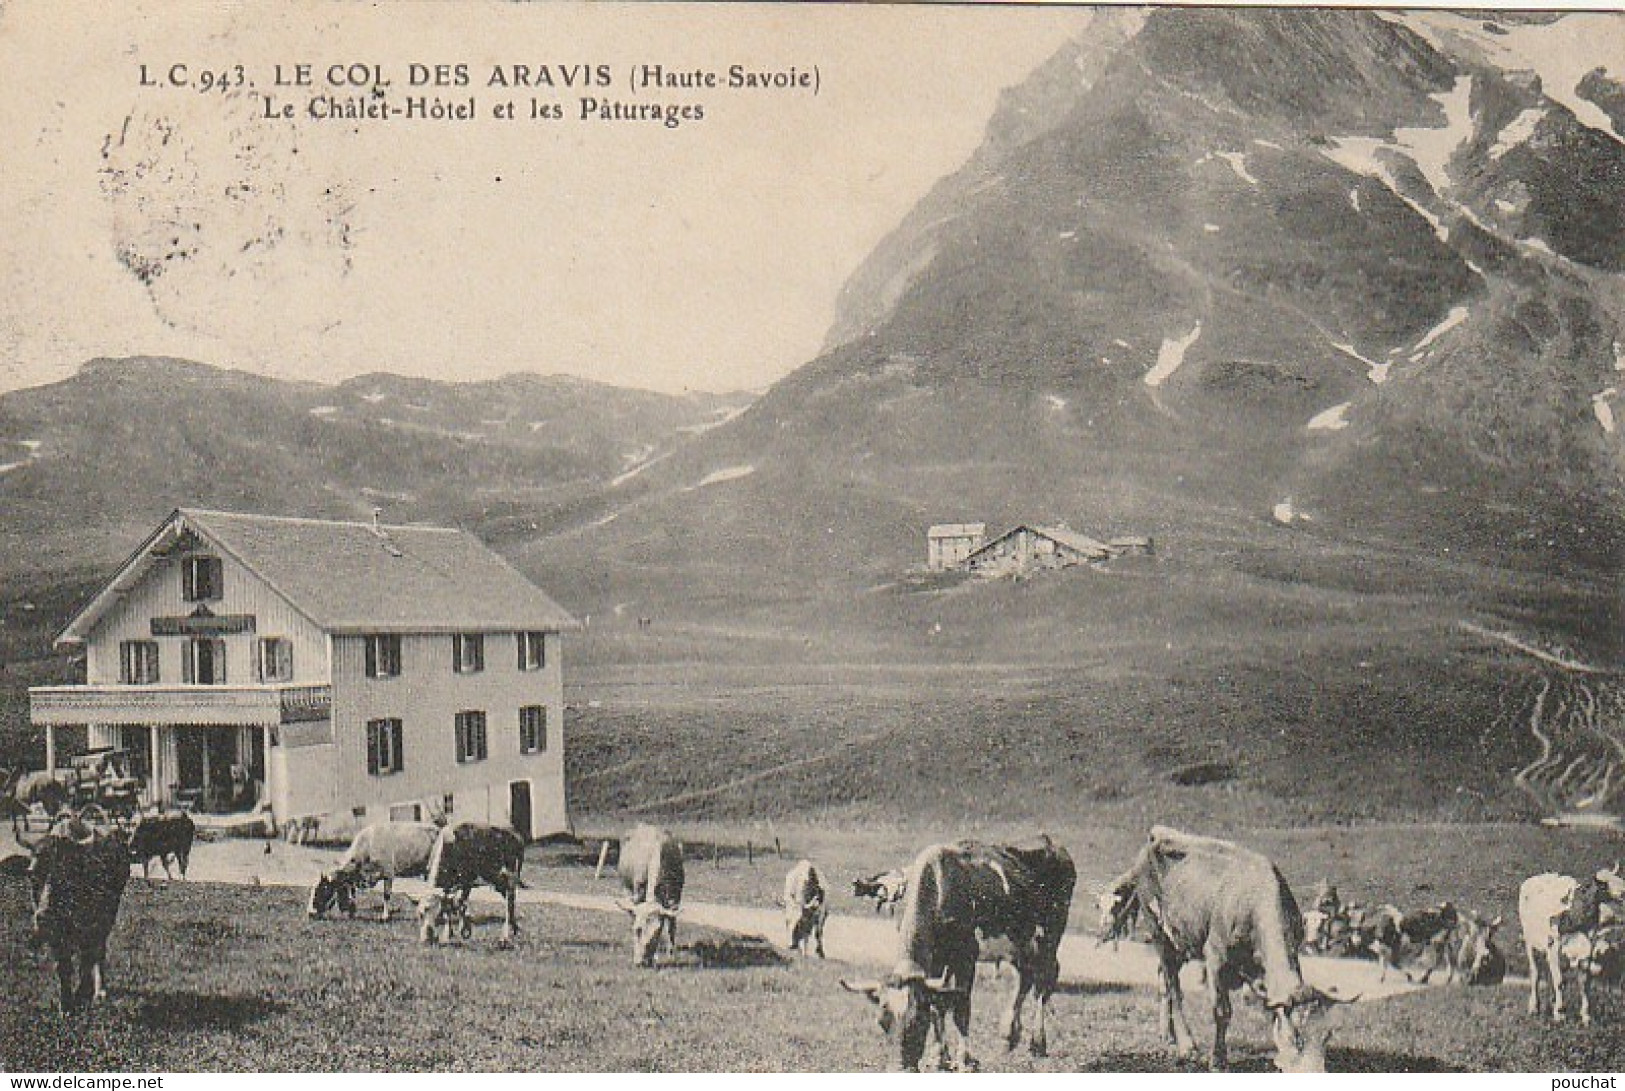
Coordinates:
<point>886,888</point>
<point>1555,909</point>
<point>380,853</point>
<point>1228,906</point>
<point>806,907</point>
<point>463,857</point>
<point>965,902</point>
<point>651,871</point>
<point>77,878</point>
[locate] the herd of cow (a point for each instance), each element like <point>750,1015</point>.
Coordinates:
<point>1194,898</point>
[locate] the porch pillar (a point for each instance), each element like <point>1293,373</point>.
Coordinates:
<point>155,779</point>
<point>269,787</point>
<point>50,747</point>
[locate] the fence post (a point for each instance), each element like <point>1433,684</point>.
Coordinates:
<point>603,854</point>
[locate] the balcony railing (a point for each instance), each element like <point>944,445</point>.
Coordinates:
<point>271,703</point>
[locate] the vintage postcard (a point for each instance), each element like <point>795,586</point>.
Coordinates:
<point>811,538</point>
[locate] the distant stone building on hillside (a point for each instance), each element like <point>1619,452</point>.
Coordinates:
<point>948,545</point>
<point>1026,548</point>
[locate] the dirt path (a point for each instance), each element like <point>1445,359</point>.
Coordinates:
<point>865,941</point>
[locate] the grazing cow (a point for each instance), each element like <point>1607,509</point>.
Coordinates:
<point>164,836</point>
<point>886,888</point>
<point>464,856</point>
<point>1478,960</point>
<point>77,878</point>
<point>380,853</point>
<point>1229,906</point>
<point>967,902</point>
<point>1601,954</point>
<point>806,907</point>
<point>651,870</point>
<point>1553,907</point>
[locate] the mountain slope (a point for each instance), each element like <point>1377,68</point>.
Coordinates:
<point>89,464</point>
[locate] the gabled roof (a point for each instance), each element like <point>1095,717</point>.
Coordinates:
<point>1089,547</point>
<point>352,577</point>
<point>1080,542</point>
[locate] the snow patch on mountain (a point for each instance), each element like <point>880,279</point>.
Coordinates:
<point>1330,420</point>
<point>623,478</point>
<point>1378,373</point>
<point>1238,163</point>
<point>717,477</point>
<point>1603,410</point>
<point>1170,356</point>
<point>723,417</point>
<point>1456,317</point>
<point>1518,131</point>
<point>1431,148</point>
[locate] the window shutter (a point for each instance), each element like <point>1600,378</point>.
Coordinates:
<point>219,662</point>
<point>188,579</point>
<point>284,660</point>
<point>541,729</point>
<point>522,642</point>
<point>400,750</point>
<point>260,647</point>
<point>217,570</point>
<point>372,746</point>
<point>372,655</point>
<point>189,662</point>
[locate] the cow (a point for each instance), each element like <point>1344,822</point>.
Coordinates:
<point>1478,960</point>
<point>1229,906</point>
<point>76,879</point>
<point>806,907</point>
<point>464,856</point>
<point>651,870</point>
<point>885,887</point>
<point>1553,907</point>
<point>1600,954</point>
<point>380,853</point>
<point>1429,934</point>
<point>164,837</point>
<point>966,902</point>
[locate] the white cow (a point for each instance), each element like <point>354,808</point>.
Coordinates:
<point>1555,912</point>
<point>806,907</point>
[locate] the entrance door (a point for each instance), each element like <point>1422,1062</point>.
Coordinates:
<point>519,807</point>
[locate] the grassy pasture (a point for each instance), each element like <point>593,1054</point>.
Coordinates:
<point>220,978</point>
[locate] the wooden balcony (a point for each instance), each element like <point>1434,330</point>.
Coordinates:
<point>242,706</point>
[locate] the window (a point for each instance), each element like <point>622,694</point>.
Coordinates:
<point>532,651</point>
<point>470,736</point>
<point>384,753</point>
<point>203,662</point>
<point>138,662</point>
<point>275,659</point>
<point>383,656</point>
<point>200,579</point>
<point>532,729</point>
<point>467,653</point>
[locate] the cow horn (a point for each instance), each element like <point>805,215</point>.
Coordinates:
<point>871,989</point>
<point>626,906</point>
<point>940,984</point>
<point>1331,994</point>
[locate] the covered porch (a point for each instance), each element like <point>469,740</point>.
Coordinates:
<point>204,748</point>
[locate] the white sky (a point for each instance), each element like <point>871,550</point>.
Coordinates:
<point>708,257</point>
